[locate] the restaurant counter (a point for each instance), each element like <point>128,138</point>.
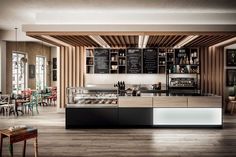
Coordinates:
<point>149,110</point>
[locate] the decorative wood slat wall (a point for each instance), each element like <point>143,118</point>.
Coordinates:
<point>212,70</point>
<point>72,60</point>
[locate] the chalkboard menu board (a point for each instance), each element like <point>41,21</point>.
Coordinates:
<point>101,61</point>
<point>134,65</point>
<point>231,57</point>
<point>150,61</point>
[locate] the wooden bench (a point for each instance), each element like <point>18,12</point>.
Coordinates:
<point>18,136</point>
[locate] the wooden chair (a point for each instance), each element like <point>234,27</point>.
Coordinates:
<point>4,101</point>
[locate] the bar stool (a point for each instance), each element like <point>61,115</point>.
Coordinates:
<point>232,103</point>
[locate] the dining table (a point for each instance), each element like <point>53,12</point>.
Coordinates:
<point>20,103</point>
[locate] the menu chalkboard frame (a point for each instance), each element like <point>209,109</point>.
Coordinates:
<point>95,58</point>
<point>143,58</point>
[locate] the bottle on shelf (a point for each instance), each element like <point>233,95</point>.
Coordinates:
<point>187,61</point>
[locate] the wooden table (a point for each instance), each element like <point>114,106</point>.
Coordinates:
<point>20,135</point>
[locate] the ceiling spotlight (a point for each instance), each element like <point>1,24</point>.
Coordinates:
<point>185,41</point>
<point>142,41</point>
<point>99,41</point>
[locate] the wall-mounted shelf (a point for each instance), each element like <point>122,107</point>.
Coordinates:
<point>89,61</point>
<point>185,64</point>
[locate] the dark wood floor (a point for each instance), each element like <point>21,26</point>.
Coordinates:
<point>56,141</point>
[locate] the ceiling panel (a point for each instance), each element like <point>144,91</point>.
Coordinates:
<point>164,40</point>
<point>45,40</point>
<point>208,40</point>
<point>121,40</point>
<point>77,40</point>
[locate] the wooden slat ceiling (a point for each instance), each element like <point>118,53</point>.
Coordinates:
<point>208,40</point>
<point>45,40</point>
<point>132,40</point>
<point>121,41</point>
<point>77,40</point>
<point>164,40</point>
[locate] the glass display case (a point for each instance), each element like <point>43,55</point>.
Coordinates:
<point>87,97</point>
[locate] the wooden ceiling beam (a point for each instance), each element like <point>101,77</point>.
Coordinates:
<point>163,40</point>
<point>198,39</point>
<point>45,40</point>
<point>107,40</point>
<point>78,42</point>
<point>179,39</point>
<point>127,40</point>
<point>214,42</point>
<point>173,38</point>
<point>168,40</point>
<point>157,40</point>
<point>132,41</point>
<point>84,40</point>
<point>150,41</point>
<point>118,43</point>
<point>112,41</point>
<point>89,40</point>
<point>136,41</point>
<point>203,41</point>
<point>63,39</point>
<point>123,41</point>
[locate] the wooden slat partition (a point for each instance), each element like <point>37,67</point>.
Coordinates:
<point>72,60</point>
<point>212,70</point>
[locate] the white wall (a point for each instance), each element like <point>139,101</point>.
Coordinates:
<point>3,66</point>
<point>9,35</point>
<point>128,78</point>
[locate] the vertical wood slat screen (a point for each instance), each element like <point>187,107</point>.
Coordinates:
<point>212,70</point>
<point>71,70</point>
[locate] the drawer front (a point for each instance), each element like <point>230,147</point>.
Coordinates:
<point>135,102</point>
<point>205,101</point>
<point>170,101</point>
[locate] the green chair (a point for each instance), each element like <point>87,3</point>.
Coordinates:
<point>33,103</point>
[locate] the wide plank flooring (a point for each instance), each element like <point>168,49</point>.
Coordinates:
<point>56,141</point>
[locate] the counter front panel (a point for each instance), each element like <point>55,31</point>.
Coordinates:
<point>170,101</point>
<point>144,111</point>
<point>187,116</point>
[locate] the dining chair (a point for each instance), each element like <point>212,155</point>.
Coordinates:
<point>5,106</point>
<point>33,103</point>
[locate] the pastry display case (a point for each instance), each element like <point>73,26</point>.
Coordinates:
<point>86,97</point>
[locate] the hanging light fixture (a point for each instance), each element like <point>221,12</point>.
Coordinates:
<point>16,39</point>
<point>23,59</point>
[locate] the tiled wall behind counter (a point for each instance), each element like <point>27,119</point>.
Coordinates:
<point>128,78</point>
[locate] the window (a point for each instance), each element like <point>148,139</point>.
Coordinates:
<point>40,72</point>
<point>18,72</point>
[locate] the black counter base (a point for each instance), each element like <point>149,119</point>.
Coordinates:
<point>108,117</point>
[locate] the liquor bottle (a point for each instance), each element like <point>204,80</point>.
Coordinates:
<point>187,61</point>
